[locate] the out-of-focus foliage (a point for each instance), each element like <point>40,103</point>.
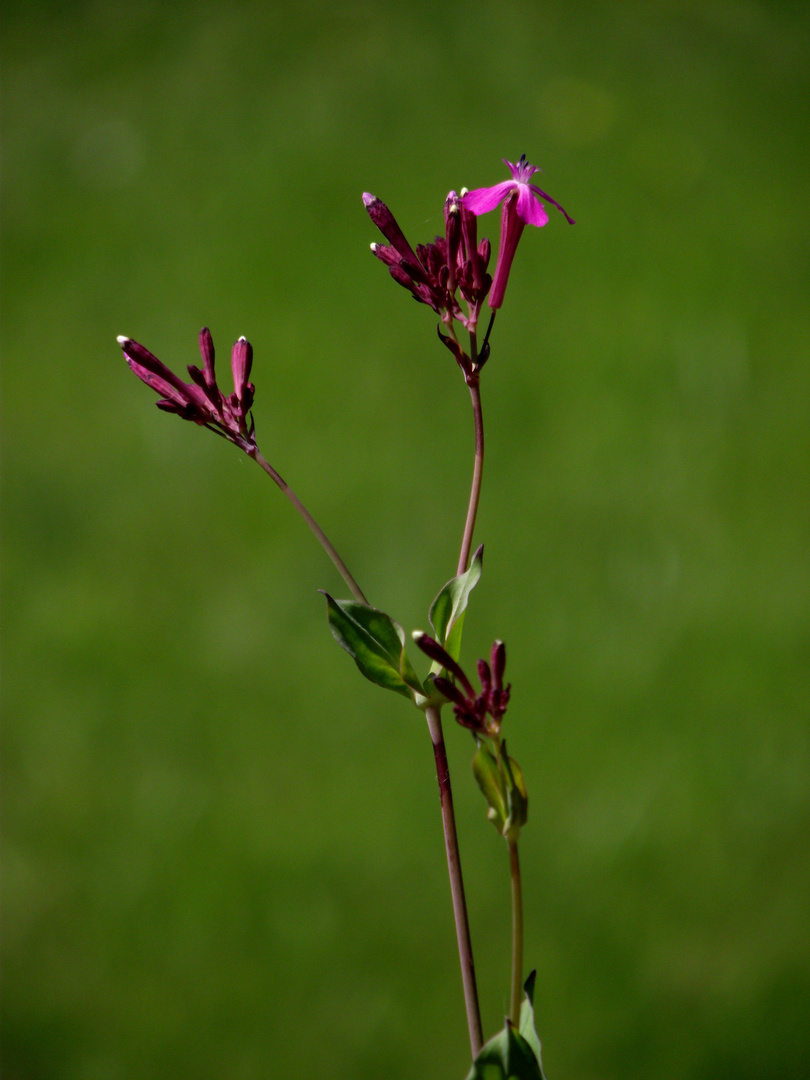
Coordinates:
<point>221,844</point>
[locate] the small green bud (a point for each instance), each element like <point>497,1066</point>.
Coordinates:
<point>488,776</point>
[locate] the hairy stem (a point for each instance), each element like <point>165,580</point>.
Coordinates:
<point>478,475</point>
<point>517,934</point>
<point>456,882</point>
<point>320,535</point>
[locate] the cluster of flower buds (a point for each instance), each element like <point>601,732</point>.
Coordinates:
<point>201,400</point>
<point>434,272</point>
<point>456,264</point>
<point>498,775</point>
<point>482,713</point>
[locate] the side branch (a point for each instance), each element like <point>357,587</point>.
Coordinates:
<point>320,535</point>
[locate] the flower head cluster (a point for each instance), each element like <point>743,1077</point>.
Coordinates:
<point>201,400</point>
<point>481,712</point>
<point>521,206</point>
<point>434,273</point>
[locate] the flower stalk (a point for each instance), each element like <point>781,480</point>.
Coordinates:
<point>456,882</point>
<point>516,990</point>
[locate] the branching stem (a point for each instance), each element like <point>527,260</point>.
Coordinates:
<point>320,535</point>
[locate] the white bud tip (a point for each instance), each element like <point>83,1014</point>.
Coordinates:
<point>243,338</point>
<point>464,192</point>
<point>373,246</point>
<point>122,340</point>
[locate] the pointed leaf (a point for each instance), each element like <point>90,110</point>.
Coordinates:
<point>451,602</point>
<point>375,642</point>
<point>527,1028</point>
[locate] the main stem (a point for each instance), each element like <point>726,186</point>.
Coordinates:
<point>478,475</point>
<point>456,882</point>
<point>320,535</point>
<point>517,934</point>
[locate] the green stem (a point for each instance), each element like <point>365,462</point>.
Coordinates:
<point>456,882</point>
<point>320,535</point>
<point>517,934</point>
<point>478,475</point>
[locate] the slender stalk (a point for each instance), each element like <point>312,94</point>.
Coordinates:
<point>478,475</point>
<point>517,934</point>
<point>321,536</point>
<point>456,882</point>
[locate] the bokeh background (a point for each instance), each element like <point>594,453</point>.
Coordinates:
<point>222,847</point>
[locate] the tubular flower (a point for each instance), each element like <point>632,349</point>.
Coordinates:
<point>201,400</point>
<point>521,206</point>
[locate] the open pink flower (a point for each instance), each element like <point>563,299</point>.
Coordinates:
<point>521,206</point>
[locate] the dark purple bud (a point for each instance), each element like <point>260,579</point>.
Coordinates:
<point>498,661</point>
<point>484,676</point>
<point>450,691</point>
<point>207,353</point>
<point>241,363</point>
<point>386,254</point>
<point>157,376</point>
<point>387,224</point>
<point>469,232</point>
<point>435,651</point>
<point>452,224</point>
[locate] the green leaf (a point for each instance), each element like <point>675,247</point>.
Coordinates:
<point>447,610</point>
<point>512,1054</point>
<point>486,773</point>
<point>527,1028</point>
<point>375,642</point>
<point>507,1056</point>
<point>517,798</point>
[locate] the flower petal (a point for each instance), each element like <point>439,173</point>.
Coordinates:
<point>482,200</point>
<point>529,209</point>
<point>542,195</point>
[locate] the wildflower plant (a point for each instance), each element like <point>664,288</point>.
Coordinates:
<point>451,275</point>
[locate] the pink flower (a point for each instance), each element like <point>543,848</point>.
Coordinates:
<point>521,206</point>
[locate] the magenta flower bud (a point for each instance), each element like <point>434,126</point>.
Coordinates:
<point>187,401</point>
<point>207,353</point>
<point>484,676</point>
<point>498,661</point>
<point>452,226</point>
<point>430,647</point>
<point>387,224</point>
<point>241,363</point>
<point>469,230</point>
<point>450,691</point>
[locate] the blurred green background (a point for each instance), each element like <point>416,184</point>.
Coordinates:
<point>222,847</point>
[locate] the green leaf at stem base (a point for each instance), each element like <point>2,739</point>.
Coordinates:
<point>514,1053</point>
